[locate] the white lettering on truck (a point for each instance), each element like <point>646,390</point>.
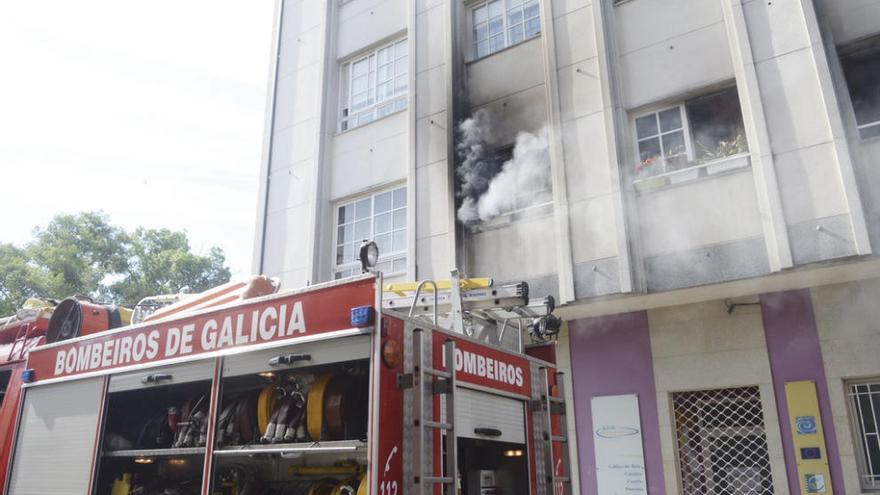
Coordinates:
<point>488,368</point>
<point>269,323</point>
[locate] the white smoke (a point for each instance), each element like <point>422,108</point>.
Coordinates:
<point>488,188</point>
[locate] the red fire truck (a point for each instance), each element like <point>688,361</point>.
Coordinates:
<point>340,388</point>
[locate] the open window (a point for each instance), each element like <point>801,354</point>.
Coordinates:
<point>695,135</point>
<point>861,67</point>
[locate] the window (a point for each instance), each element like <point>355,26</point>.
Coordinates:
<point>697,131</point>
<point>380,218</point>
<point>722,444</point>
<point>861,67</point>
<point>501,23</point>
<point>865,413</point>
<point>374,85</point>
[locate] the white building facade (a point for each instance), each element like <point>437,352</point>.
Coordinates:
<point>697,183</point>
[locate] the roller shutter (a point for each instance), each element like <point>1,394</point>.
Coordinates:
<point>56,439</point>
<point>488,416</point>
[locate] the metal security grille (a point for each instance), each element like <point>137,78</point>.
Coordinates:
<point>865,403</point>
<point>722,446</point>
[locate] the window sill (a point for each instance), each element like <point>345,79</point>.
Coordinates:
<point>380,119</point>
<point>510,218</point>
<point>506,48</point>
<point>691,174</point>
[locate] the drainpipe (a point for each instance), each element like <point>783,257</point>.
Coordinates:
<point>268,141</point>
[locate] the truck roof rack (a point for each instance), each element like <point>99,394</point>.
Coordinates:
<point>470,305</point>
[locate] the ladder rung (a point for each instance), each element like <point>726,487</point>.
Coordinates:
<point>437,479</point>
<point>561,479</point>
<point>557,400</point>
<point>437,373</point>
<point>435,424</point>
<point>558,438</point>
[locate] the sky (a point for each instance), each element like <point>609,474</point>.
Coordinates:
<point>150,111</point>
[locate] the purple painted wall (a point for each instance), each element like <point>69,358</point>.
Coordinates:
<point>611,355</point>
<point>795,354</point>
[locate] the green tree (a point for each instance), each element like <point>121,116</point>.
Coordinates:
<point>160,262</point>
<point>86,254</point>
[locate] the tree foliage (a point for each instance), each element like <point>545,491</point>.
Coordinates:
<point>84,254</point>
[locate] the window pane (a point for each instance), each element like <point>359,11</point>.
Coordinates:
<point>670,120</point>
<point>363,209</point>
<point>531,9</point>
<point>649,151</point>
<point>385,90</point>
<point>399,265</point>
<point>383,223</point>
<point>347,253</point>
<point>383,202</point>
<point>481,32</point>
<point>384,73</point>
<point>400,240</point>
<point>340,235</point>
<point>496,9</point>
<point>516,34</point>
<point>496,43</point>
<point>716,125</point>
<point>340,255</point>
<point>482,48</point>
<point>362,230</point>
<point>385,55</point>
<point>673,144</point>
<point>868,424</point>
<point>400,197</point>
<point>481,14</point>
<point>384,243</point>
<point>646,126</point>
<point>400,49</point>
<point>400,84</point>
<point>360,68</point>
<point>400,67</point>
<point>514,17</point>
<point>533,27</point>
<point>346,214</point>
<point>384,110</point>
<point>400,219</point>
<point>496,26</point>
<point>384,266</point>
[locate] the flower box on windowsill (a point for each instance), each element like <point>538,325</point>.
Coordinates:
<point>692,173</point>
<point>727,163</point>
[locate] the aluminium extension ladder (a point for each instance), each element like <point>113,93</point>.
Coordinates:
<point>462,305</point>
<point>428,382</point>
<point>554,407</point>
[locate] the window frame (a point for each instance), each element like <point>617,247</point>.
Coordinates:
<point>391,256</point>
<point>858,437</point>
<point>685,128</point>
<point>697,167</point>
<point>505,26</point>
<point>347,118</point>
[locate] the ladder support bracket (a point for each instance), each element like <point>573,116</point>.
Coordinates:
<point>405,381</point>
<point>441,387</point>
